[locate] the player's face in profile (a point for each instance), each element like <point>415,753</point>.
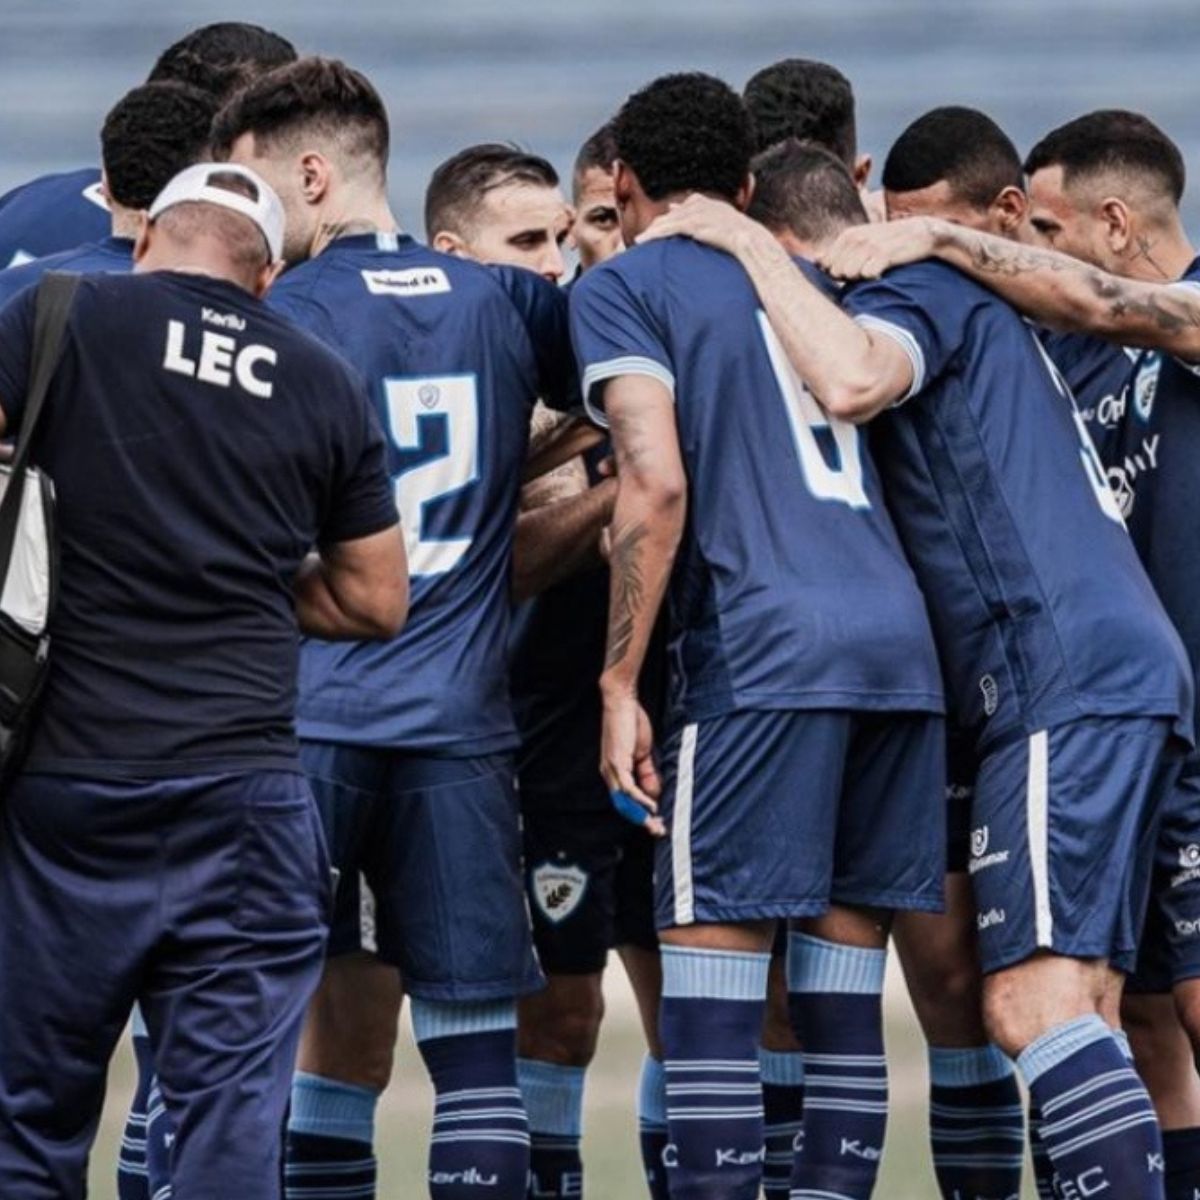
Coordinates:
<point>937,200</point>
<point>283,173</point>
<point>596,230</point>
<point>1056,221</point>
<point>522,225</point>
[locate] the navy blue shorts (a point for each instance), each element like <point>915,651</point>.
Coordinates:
<point>1170,949</point>
<point>589,876</point>
<point>428,856</point>
<point>961,768</point>
<point>780,814</point>
<point>205,900</point>
<point>1063,840</point>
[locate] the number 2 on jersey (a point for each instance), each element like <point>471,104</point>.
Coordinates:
<point>843,483</point>
<point>434,424</point>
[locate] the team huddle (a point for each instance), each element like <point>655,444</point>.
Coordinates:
<point>851,533</point>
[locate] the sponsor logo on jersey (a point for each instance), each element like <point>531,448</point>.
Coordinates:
<point>980,858</point>
<point>991,695</point>
<point>210,316</point>
<point>993,916</point>
<point>558,889</point>
<point>415,281</point>
<point>1145,385</point>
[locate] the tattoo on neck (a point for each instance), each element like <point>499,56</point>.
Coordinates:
<point>1142,253</point>
<point>630,591</point>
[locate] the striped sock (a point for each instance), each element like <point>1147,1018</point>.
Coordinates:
<point>480,1139</point>
<point>838,992</point>
<point>553,1097</point>
<point>783,1114</point>
<point>712,1011</point>
<point>328,1151</point>
<point>131,1163</point>
<point>1098,1125</point>
<point>976,1123</point>
<point>1043,1168</point>
<point>652,1125</point>
<point>1181,1148</point>
<point>159,1139</point>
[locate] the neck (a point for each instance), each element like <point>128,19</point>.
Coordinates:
<point>354,211</point>
<point>124,221</point>
<point>809,248</point>
<point>1158,255</point>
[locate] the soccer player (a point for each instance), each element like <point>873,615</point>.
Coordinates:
<point>59,212</point>
<point>1105,190</point>
<point>496,203</point>
<point>1060,660</point>
<point>151,134</point>
<point>806,754</point>
<point>409,745</point>
<point>595,232</point>
<point>161,844</point>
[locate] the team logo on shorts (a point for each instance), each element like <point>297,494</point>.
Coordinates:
<point>1189,857</point>
<point>979,841</point>
<point>1145,386</point>
<point>991,695</point>
<point>558,890</point>
<point>981,859</point>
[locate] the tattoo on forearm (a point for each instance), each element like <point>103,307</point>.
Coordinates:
<point>629,591</point>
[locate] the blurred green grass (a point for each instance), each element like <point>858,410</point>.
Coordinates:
<point>612,1167</point>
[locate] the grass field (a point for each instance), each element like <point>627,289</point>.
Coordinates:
<point>610,1144</point>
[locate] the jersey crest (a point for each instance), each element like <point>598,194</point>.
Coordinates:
<point>1145,386</point>
<point>558,889</point>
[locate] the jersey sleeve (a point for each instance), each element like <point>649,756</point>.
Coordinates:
<point>614,335</point>
<point>543,311</point>
<point>361,501</point>
<point>16,353</point>
<point>920,309</point>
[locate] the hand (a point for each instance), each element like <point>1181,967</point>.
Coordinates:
<point>626,757</point>
<point>866,251</point>
<point>712,222</point>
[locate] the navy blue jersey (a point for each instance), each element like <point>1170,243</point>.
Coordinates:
<point>52,213</point>
<point>790,589</point>
<point>106,255</point>
<point>200,446</point>
<point>454,354</point>
<point>1042,610</point>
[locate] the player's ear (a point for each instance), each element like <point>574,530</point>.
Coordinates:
<point>1117,223</point>
<point>862,171</point>
<point>741,200</point>
<point>450,243</point>
<point>316,176</point>
<point>1009,210</point>
<point>624,183</point>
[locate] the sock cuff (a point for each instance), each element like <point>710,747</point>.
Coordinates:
<point>652,1094</point>
<point>1123,1041</point>
<point>815,965</point>
<point>553,1096</point>
<point>781,1068</point>
<point>714,974</point>
<point>330,1108</point>
<point>441,1018</point>
<point>1059,1044</point>
<point>968,1068</point>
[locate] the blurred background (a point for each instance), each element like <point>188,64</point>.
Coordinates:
<point>545,73</point>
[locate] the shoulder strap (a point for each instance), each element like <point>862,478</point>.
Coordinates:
<point>55,294</point>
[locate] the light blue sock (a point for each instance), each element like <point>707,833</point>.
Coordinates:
<point>329,1151</point>
<point>553,1096</point>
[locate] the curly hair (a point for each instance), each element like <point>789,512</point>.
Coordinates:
<point>151,134</point>
<point>685,133</point>
<point>804,99</point>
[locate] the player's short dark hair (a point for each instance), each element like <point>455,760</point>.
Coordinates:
<point>598,153</point>
<point>1112,139</point>
<point>222,57</point>
<point>151,134</point>
<point>962,146</point>
<point>321,96</point>
<point>685,133</point>
<point>803,99</point>
<point>805,189</point>
<point>458,186</point>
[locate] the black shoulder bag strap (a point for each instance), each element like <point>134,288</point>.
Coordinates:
<point>55,294</point>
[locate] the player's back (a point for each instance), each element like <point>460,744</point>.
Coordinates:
<point>1042,610</point>
<point>448,350</point>
<point>52,213</point>
<point>199,445</point>
<point>110,254</point>
<point>791,589</point>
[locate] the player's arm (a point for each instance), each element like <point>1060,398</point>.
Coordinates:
<point>556,438</point>
<point>854,372</point>
<point>355,590</point>
<point>1052,288</point>
<point>647,525</point>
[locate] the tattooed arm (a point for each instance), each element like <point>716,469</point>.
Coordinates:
<point>1052,288</point>
<point>647,525</point>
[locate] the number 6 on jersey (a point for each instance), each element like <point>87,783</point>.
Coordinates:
<point>433,420</point>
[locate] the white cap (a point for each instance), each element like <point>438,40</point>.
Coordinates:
<point>192,184</point>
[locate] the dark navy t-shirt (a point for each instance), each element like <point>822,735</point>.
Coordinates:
<point>52,213</point>
<point>1042,611</point>
<point>790,589</point>
<point>454,355</point>
<point>108,254</point>
<point>200,446</point>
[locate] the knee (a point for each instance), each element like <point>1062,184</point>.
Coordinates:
<point>1022,1003</point>
<point>1187,1004</point>
<point>562,1024</point>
